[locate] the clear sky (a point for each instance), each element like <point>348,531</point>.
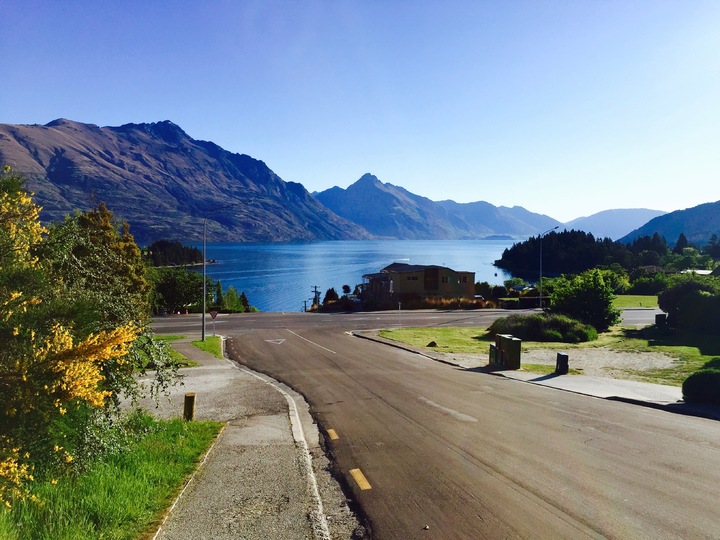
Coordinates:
<point>565,107</point>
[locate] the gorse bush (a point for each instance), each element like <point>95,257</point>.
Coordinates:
<point>74,315</point>
<point>702,387</point>
<point>541,327</point>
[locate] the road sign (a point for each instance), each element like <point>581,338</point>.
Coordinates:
<point>213,313</point>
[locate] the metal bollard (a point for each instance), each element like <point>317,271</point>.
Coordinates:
<point>189,409</point>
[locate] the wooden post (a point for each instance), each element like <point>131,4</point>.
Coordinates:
<point>189,410</point>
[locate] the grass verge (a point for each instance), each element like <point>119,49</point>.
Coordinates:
<point>180,359</point>
<point>212,345</point>
<point>122,496</point>
<point>624,301</point>
<point>693,351</point>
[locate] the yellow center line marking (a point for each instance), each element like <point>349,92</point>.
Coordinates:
<point>360,479</point>
<point>332,434</point>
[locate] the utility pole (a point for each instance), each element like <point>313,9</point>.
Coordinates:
<point>316,295</point>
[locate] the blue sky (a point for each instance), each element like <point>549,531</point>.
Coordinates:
<point>566,108</point>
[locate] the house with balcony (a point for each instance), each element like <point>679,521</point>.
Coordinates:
<point>400,281</point>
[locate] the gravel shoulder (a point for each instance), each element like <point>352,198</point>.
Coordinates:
<point>596,362</point>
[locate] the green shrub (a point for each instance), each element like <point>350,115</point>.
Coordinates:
<point>702,387</point>
<point>586,297</point>
<point>543,327</point>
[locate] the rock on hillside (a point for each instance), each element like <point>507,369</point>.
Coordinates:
<point>164,183</point>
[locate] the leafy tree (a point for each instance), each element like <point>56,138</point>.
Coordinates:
<point>330,296</point>
<point>233,302</point>
<point>648,258</point>
<point>346,289</point>
<point>568,252</point>
<point>713,247</point>
<point>484,289</point>
<point>499,291</point>
<point>648,284</point>
<point>514,282</point>
<point>219,300</point>
<point>681,244</point>
<point>245,302</point>
<point>690,258</point>
<point>587,298</point>
<point>99,267</point>
<point>692,302</point>
<point>176,289</point>
<point>654,243</point>
<point>171,253</point>
<point>617,278</point>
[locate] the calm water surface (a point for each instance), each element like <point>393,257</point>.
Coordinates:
<point>280,277</point>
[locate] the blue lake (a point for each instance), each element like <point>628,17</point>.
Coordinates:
<point>281,277</point>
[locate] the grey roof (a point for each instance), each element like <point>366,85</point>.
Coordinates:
<point>402,268</point>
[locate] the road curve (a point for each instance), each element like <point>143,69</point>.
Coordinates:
<point>452,453</point>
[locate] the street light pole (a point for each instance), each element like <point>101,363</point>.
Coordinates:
<point>204,266</point>
<point>204,298</point>
<point>541,239</point>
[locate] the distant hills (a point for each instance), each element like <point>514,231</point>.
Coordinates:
<point>169,185</point>
<point>390,211</point>
<point>698,224</point>
<point>613,224</point>
<point>165,184</point>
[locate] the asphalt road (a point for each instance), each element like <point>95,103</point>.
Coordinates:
<point>453,453</point>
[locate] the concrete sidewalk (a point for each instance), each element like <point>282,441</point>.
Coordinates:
<point>265,477</point>
<point>657,396</point>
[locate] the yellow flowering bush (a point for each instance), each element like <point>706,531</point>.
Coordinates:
<point>13,474</point>
<point>73,302</point>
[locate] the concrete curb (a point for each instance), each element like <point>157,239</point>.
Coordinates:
<point>177,514</point>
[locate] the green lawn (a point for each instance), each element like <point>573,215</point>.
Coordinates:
<point>212,345</point>
<point>122,496</point>
<point>624,301</point>
<point>178,358</point>
<point>694,351</point>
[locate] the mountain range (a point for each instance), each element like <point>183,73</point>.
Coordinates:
<point>169,185</point>
<point>698,224</point>
<point>613,223</point>
<point>389,211</point>
<point>165,184</point>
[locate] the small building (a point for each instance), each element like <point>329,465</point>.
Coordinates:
<point>400,281</point>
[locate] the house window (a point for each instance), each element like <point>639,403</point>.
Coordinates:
<point>445,279</point>
<point>412,278</point>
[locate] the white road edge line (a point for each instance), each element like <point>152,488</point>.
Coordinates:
<point>311,342</point>
<point>299,436</point>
